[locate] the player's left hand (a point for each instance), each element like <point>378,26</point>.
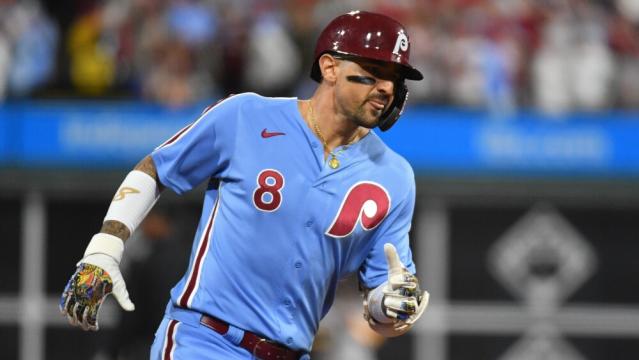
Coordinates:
<point>83,295</point>
<point>97,275</point>
<point>403,298</point>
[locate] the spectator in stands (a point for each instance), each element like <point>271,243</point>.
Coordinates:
<point>272,62</point>
<point>624,41</point>
<point>174,78</point>
<point>180,74</point>
<point>556,55</point>
<point>28,44</point>
<point>593,61</point>
<point>92,62</point>
<point>573,69</point>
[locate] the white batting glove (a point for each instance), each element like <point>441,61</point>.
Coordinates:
<point>400,299</point>
<point>97,275</point>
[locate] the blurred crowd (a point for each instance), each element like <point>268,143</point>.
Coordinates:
<point>556,55</point>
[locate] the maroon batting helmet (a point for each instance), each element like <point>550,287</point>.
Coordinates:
<point>366,35</point>
<point>362,34</point>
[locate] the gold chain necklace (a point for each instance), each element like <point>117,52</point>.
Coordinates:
<point>333,162</point>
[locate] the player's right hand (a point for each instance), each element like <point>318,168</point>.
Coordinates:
<point>97,275</point>
<point>403,297</point>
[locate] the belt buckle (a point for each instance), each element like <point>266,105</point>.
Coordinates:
<point>274,356</point>
<point>256,348</point>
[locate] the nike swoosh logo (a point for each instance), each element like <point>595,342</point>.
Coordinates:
<point>266,134</point>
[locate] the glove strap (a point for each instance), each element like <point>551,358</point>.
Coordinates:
<point>107,244</point>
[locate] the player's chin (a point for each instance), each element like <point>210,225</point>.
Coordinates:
<point>374,118</point>
<point>368,117</point>
<point>369,122</point>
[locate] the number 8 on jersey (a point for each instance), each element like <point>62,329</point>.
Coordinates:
<point>268,196</point>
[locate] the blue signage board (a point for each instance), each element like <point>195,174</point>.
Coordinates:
<point>4,136</point>
<point>442,141</point>
<point>90,135</point>
<point>469,142</point>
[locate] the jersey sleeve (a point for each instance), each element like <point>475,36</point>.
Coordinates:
<point>201,150</point>
<point>394,230</point>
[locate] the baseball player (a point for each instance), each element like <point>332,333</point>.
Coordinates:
<point>300,194</point>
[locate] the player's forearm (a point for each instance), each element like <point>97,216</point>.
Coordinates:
<point>115,228</point>
<point>118,228</point>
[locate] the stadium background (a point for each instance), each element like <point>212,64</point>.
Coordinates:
<point>523,135</point>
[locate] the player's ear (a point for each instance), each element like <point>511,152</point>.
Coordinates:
<point>328,66</point>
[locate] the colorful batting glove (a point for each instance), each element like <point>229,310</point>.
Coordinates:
<point>97,275</point>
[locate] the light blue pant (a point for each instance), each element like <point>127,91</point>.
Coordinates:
<point>191,340</point>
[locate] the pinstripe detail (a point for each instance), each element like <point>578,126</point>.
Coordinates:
<point>169,340</point>
<point>193,280</point>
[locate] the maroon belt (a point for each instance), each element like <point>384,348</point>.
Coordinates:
<point>261,348</point>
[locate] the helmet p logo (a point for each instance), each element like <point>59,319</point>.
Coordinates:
<point>401,43</point>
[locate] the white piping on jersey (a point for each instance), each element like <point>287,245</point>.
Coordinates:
<point>198,262</point>
<point>206,252</point>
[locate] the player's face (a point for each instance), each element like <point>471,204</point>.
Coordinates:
<point>365,90</point>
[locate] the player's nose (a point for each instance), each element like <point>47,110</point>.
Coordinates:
<point>385,86</point>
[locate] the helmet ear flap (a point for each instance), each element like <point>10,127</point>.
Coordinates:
<point>390,116</point>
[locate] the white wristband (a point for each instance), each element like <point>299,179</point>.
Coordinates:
<point>376,306</point>
<point>133,200</point>
<point>105,244</point>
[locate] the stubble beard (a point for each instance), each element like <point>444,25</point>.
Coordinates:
<point>362,117</point>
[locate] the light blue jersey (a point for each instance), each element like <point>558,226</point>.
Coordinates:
<point>279,227</point>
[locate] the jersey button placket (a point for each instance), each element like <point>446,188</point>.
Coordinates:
<point>309,223</point>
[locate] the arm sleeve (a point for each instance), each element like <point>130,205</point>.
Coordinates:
<point>201,150</point>
<point>374,270</point>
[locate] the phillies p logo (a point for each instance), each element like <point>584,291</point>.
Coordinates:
<point>401,43</point>
<point>366,203</point>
